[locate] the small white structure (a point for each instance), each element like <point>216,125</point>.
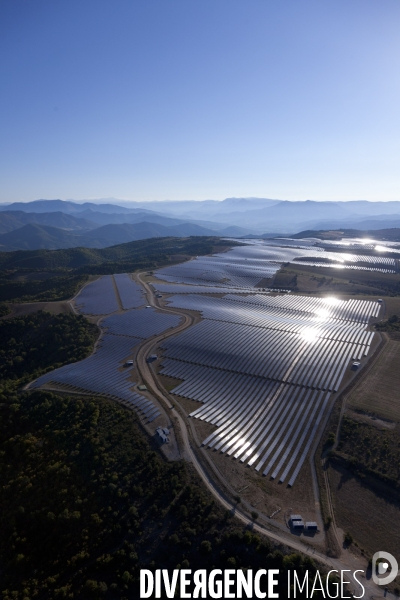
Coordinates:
<point>163,432</point>
<point>294,518</point>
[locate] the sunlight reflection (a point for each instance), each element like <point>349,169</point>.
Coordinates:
<point>310,334</point>
<point>323,313</point>
<point>332,300</point>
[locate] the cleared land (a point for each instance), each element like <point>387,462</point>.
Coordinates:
<point>392,306</point>
<point>363,470</point>
<point>378,392</point>
<point>305,278</point>
<point>370,517</point>
<point>29,308</point>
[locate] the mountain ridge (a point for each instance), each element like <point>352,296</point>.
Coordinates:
<point>34,236</point>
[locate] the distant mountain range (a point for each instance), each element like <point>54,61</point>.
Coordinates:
<point>55,224</point>
<point>14,219</point>
<point>34,236</point>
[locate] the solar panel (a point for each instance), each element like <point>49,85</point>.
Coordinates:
<point>98,297</point>
<point>101,372</point>
<point>130,292</point>
<point>263,369</point>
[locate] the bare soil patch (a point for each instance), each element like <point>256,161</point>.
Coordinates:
<point>34,276</point>
<point>392,306</point>
<point>309,279</point>
<point>266,495</point>
<point>370,420</point>
<point>264,283</point>
<point>28,308</point>
<point>378,392</point>
<point>187,404</point>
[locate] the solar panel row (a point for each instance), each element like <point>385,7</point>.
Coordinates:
<point>130,292</point>
<point>102,373</point>
<point>199,289</point>
<point>246,266</point>
<point>142,323</point>
<point>257,419</point>
<point>264,368</point>
<point>304,359</point>
<point>223,309</point>
<point>359,311</point>
<point>98,297</point>
<point>339,265</point>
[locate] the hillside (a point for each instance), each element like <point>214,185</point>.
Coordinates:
<point>11,220</point>
<point>109,235</point>
<point>102,218</point>
<point>67,206</point>
<point>34,236</point>
<point>82,257</point>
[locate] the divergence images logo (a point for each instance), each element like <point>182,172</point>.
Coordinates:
<point>386,560</point>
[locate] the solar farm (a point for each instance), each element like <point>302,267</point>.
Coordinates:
<point>246,266</point>
<point>103,372</point>
<point>264,369</point>
<point>101,297</point>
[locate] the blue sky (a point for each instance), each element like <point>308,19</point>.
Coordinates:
<point>179,99</point>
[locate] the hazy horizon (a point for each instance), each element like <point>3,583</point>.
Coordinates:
<point>111,200</point>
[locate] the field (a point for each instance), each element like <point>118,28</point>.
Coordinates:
<point>28,308</point>
<point>392,306</point>
<point>365,465</point>
<point>378,393</point>
<point>371,519</point>
<point>308,279</point>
